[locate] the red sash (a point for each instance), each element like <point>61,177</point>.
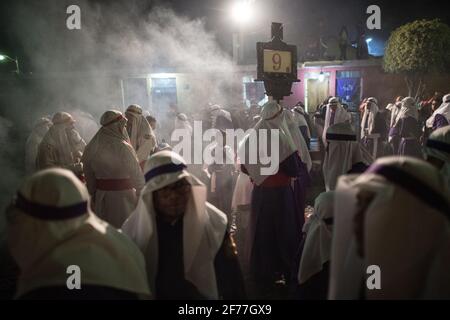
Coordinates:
<point>113,184</point>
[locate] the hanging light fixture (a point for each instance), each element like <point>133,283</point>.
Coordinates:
<point>321,76</point>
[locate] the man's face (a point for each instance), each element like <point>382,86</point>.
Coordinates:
<point>171,201</point>
<point>434,105</point>
<point>333,107</point>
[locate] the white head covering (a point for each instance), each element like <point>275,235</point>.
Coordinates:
<point>182,122</point>
<point>406,232</point>
<point>57,136</point>
<point>391,108</point>
<point>113,128</point>
<point>51,228</point>
<point>204,226</point>
<point>138,123</point>
<point>298,115</point>
<point>438,146</point>
<point>444,109</point>
<point>341,115</point>
<point>215,112</point>
<point>409,109</point>
<point>62,118</point>
<point>395,109</point>
<point>273,117</point>
<point>370,111</point>
<point>142,137</point>
<point>113,122</point>
<point>317,249</point>
<point>343,151</point>
<point>40,128</point>
<point>298,139</point>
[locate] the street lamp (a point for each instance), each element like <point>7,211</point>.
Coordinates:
<point>4,57</point>
<point>241,11</point>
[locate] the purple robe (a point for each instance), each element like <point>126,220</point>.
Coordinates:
<point>304,133</point>
<point>275,231</point>
<point>407,132</point>
<point>439,121</point>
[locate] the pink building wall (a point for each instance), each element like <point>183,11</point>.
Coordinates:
<point>298,89</point>
<point>374,82</point>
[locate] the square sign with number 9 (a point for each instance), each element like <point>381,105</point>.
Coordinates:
<point>277,61</point>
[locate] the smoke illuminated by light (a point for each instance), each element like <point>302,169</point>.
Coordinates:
<point>163,75</point>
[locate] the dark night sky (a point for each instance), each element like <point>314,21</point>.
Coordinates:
<point>301,17</point>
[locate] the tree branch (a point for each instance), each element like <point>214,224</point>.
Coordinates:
<point>419,89</point>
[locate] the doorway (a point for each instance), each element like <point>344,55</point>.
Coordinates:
<point>164,94</point>
<point>316,89</point>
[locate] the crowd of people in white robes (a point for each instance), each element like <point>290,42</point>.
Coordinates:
<point>142,222</point>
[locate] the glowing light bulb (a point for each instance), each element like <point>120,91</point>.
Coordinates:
<point>321,76</point>
<point>241,12</point>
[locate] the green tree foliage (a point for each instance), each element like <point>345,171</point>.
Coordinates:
<point>416,49</point>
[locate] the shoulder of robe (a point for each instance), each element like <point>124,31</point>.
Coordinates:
<point>119,238</point>
<point>218,218</point>
<point>217,227</point>
<point>131,246</point>
<point>126,145</point>
<point>126,149</point>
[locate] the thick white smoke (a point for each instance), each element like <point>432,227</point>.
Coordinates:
<point>83,68</point>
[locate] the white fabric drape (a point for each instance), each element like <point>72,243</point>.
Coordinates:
<point>44,249</point>
<point>204,227</point>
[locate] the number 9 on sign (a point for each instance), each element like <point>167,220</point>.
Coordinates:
<point>277,61</point>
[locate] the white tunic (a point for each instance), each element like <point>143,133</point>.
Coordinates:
<point>112,158</point>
